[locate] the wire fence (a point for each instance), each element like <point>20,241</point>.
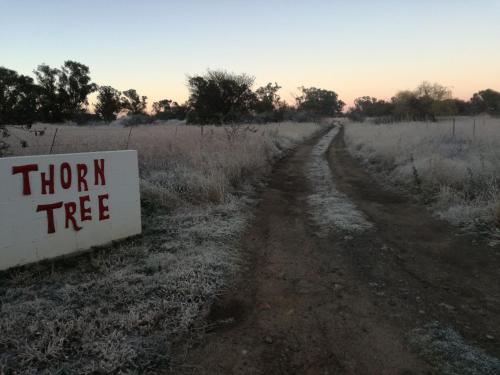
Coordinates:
<point>54,139</point>
<point>60,139</point>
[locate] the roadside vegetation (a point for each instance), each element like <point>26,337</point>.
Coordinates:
<point>452,164</point>
<point>442,148</point>
<point>60,96</point>
<point>120,309</point>
<point>178,163</point>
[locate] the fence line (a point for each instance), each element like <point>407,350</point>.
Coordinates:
<point>68,139</point>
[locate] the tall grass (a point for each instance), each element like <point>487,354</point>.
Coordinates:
<point>454,164</point>
<point>178,163</point>
<point>121,309</point>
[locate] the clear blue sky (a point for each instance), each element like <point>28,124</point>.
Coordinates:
<point>355,48</point>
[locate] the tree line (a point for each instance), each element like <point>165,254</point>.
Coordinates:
<point>425,103</point>
<point>217,97</point>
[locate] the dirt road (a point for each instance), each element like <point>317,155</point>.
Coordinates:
<point>353,303</point>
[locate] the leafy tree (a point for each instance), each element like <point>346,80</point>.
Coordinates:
<point>167,109</point>
<point>220,97</point>
<point>179,111</point>
<point>364,105</point>
<point>424,103</point>
<point>108,104</point>
<point>408,106</point>
<point>486,101</point>
<point>18,105</point>
<point>50,105</point>
<point>372,107</point>
<point>133,103</point>
<point>267,98</point>
<point>435,100</point>
<point>18,98</point>
<point>162,106</point>
<point>268,105</point>
<point>74,85</point>
<point>435,91</point>
<point>63,92</point>
<point>319,102</point>
<point>463,107</point>
<point>354,115</point>
<point>447,107</point>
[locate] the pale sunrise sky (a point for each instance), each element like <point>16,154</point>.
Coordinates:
<point>355,48</point>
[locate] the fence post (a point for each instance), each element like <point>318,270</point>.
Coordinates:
<point>53,141</point>
<point>453,126</point>
<point>474,130</point>
<point>128,138</point>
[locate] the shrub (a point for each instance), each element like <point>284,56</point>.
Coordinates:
<point>134,120</point>
<point>84,118</point>
<point>355,116</point>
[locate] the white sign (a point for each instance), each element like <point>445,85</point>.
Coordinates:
<point>54,205</point>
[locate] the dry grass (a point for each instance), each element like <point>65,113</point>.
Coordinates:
<point>178,163</point>
<point>120,309</point>
<point>455,170</point>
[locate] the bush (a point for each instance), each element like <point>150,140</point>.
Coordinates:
<point>134,120</point>
<point>356,116</point>
<point>85,118</point>
<point>219,97</point>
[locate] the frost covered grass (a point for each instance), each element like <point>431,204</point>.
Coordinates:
<point>121,309</point>
<point>455,168</point>
<point>448,351</point>
<point>329,207</point>
<point>178,163</point>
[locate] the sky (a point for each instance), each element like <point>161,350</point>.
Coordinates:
<point>354,48</point>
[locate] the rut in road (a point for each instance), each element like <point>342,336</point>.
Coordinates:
<point>300,308</point>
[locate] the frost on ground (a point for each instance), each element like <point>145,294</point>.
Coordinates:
<point>329,207</point>
<point>447,350</point>
<point>452,165</point>
<point>121,309</point>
